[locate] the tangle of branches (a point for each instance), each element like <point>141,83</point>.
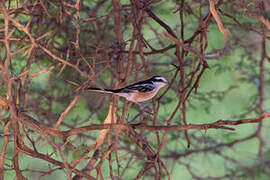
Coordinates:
<point>50,51</point>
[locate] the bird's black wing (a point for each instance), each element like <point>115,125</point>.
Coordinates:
<point>139,87</point>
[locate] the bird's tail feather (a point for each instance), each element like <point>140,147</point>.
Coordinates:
<point>109,91</point>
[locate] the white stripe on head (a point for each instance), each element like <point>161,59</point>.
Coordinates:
<point>159,81</point>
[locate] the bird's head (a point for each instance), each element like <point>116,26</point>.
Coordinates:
<point>159,81</point>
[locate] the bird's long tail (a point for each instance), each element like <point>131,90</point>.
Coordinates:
<point>109,91</point>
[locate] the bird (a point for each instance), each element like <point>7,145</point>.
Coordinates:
<point>137,92</point>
